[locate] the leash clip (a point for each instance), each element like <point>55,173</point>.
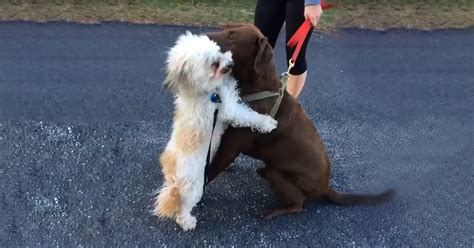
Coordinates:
<point>291,64</point>
<point>283,80</point>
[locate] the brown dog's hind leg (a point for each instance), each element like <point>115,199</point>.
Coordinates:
<point>291,197</point>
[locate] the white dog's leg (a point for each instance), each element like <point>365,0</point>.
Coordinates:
<point>238,114</point>
<point>190,197</point>
<point>190,175</point>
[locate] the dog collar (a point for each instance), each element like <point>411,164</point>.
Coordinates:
<point>267,94</point>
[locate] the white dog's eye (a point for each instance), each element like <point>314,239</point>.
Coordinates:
<point>215,64</point>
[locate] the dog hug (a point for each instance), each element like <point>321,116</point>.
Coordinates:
<point>211,76</point>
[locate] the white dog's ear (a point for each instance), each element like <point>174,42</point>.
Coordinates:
<point>170,84</point>
<point>174,78</point>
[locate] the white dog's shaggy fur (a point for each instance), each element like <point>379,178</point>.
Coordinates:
<point>196,69</point>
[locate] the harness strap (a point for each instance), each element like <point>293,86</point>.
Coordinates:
<point>267,94</point>
<point>259,96</point>
<point>281,93</point>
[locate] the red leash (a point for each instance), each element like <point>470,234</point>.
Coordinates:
<point>300,35</point>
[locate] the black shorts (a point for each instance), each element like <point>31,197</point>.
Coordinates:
<point>269,18</point>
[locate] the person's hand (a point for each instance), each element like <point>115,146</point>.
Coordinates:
<point>313,13</point>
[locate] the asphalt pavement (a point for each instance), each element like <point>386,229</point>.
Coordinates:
<point>83,119</point>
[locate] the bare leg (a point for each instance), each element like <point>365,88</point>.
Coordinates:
<point>295,84</point>
<point>291,197</point>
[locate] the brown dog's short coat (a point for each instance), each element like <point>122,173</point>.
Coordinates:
<point>296,162</point>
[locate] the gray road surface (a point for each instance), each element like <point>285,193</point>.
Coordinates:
<point>83,119</point>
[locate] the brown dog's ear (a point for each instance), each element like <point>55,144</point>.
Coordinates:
<point>264,54</point>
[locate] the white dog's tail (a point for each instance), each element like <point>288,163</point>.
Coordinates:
<point>168,201</point>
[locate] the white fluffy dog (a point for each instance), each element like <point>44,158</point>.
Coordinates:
<point>196,70</point>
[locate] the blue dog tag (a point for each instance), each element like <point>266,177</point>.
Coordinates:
<point>215,98</point>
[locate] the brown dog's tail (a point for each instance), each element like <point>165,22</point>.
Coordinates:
<point>358,199</point>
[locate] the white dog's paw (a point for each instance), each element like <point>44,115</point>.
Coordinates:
<point>267,124</point>
<point>187,222</point>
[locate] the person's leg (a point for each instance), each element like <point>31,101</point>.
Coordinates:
<point>296,83</point>
<point>295,17</point>
<point>269,18</point>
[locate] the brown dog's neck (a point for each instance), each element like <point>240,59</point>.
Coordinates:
<point>260,83</point>
<point>267,81</point>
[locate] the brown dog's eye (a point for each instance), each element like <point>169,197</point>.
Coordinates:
<point>231,35</point>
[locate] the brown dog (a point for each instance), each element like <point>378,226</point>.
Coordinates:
<point>296,163</point>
